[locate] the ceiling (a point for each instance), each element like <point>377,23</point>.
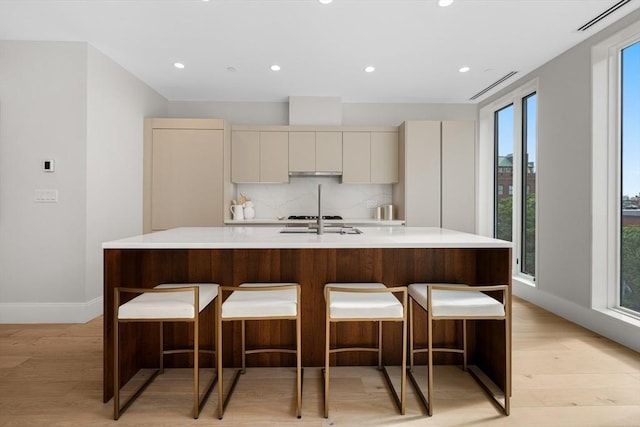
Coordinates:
<point>227,46</point>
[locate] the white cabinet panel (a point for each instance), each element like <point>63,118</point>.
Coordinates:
<point>458,175</point>
<point>274,156</point>
<point>245,156</point>
<point>302,151</point>
<point>384,157</point>
<point>186,178</point>
<point>328,151</point>
<point>356,157</point>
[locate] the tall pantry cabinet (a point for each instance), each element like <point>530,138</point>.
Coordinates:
<point>436,186</point>
<point>186,178</point>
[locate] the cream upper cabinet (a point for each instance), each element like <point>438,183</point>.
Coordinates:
<point>258,156</point>
<point>356,157</point>
<point>311,151</point>
<point>417,193</point>
<point>458,176</point>
<point>329,151</point>
<point>384,157</point>
<point>436,186</point>
<point>186,173</point>
<point>274,156</point>
<point>302,151</point>
<point>245,156</point>
<point>370,157</point>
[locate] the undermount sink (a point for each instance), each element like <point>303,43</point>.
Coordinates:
<point>327,230</point>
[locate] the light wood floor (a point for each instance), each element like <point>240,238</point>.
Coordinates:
<point>563,375</point>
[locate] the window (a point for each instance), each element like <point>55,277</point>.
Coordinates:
<point>503,210</point>
<point>529,138</point>
<point>513,124</point>
<point>615,186</point>
<point>630,177</point>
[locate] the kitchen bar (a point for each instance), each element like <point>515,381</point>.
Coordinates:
<point>395,256</point>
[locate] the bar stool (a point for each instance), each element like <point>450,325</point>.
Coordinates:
<point>365,302</point>
<point>454,301</point>
<point>259,301</point>
<point>164,303</point>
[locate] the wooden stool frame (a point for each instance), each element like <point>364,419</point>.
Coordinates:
<point>222,402</point>
<point>399,400</point>
<point>427,400</point>
<point>197,402</point>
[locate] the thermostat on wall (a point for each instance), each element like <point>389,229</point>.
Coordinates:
<point>48,165</point>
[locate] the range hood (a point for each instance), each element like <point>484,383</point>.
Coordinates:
<point>314,173</point>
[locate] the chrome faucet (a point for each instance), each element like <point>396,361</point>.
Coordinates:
<point>320,229</point>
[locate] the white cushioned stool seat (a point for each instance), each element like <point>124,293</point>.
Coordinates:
<point>456,303</point>
<point>168,305</point>
<point>357,305</point>
<point>276,303</point>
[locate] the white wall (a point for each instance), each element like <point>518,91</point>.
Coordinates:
<point>117,104</point>
<point>64,101</point>
<point>277,113</point>
<point>563,282</point>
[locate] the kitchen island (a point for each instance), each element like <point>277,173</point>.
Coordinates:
<point>395,256</point>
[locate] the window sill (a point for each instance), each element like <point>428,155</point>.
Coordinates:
<point>619,315</point>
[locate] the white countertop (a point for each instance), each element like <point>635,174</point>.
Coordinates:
<point>283,222</point>
<point>270,238</point>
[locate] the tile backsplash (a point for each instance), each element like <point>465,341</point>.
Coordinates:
<point>300,197</point>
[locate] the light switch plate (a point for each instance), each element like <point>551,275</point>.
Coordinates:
<point>46,196</point>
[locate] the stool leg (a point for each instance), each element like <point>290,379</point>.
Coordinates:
<point>299,364</point>
<point>162,347</point>
<point>116,368</point>
<point>327,363</point>
<point>379,345</point>
<point>219,357</point>
<point>464,344</point>
<point>430,364</point>
<point>196,367</point>
<point>403,374</point>
<point>507,353</point>
<point>244,348</point>
<point>411,335</point>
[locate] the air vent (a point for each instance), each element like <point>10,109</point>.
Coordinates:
<point>492,85</point>
<point>603,15</point>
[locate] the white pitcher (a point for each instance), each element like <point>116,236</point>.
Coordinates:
<point>249,212</point>
<point>237,212</point>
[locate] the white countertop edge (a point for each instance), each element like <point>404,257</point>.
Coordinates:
<point>284,222</point>
<point>270,238</point>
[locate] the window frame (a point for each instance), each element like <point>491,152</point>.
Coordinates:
<point>487,173</point>
<point>606,184</point>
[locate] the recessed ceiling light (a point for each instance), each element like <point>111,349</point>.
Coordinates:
<point>370,69</point>
<point>178,64</point>
<point>464,69</point>
<point>445,3</point>
<point>325,1</point>
<point>275,67</point>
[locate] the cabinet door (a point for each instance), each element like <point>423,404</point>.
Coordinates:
<point>422,173</point>
<point>302,151</point>
<point>458,175</point>
<point>245,156</point>
<point>187,178</point>
<point>274,156</point>
<point>329,151</point>
<point>384,157</point>
<point>356,157</point>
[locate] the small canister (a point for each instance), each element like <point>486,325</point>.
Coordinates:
<point>388,212</point>
<point>377,213</point>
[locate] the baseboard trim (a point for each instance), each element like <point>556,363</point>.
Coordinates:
<point>623,332</point>
<point>50,312</point>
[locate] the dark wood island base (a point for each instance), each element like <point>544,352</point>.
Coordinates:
<point>312,268</point>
